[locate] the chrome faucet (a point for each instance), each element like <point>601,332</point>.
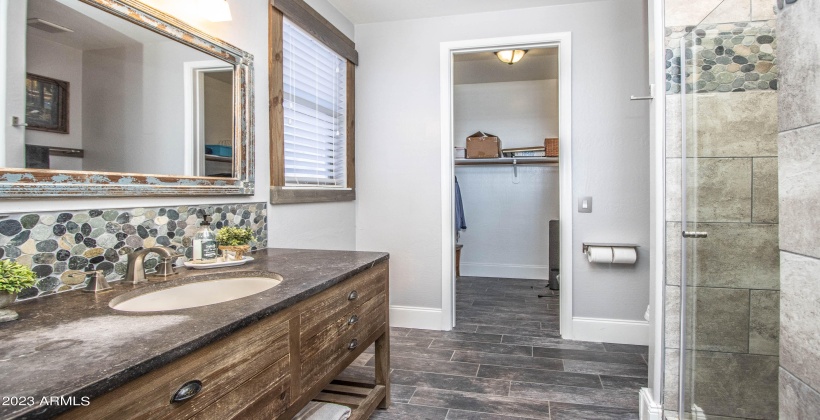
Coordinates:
<point>135,272</point>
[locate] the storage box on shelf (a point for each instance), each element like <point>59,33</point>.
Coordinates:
<point>482,146</point>
<point>551,147</point>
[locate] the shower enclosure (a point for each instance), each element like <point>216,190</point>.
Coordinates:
<point>723,303</point>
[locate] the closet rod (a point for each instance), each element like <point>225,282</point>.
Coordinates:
<point>509,161</point>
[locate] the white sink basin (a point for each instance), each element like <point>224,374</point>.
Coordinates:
<point>195,294</point>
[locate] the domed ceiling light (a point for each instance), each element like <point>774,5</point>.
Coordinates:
<point>510,56</point>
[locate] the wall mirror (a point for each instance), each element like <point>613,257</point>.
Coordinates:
<point>113,97</point>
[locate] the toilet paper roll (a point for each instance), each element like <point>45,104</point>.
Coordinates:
<point>624,255</point>
<point>599,254</point>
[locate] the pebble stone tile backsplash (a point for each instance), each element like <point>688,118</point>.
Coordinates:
<point>728,57</point>
<point>60,246</point>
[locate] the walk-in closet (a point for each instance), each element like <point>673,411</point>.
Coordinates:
<point>508,198</point>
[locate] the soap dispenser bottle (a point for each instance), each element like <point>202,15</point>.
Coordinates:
<point>204,241</point>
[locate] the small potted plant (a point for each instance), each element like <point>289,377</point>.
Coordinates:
<point>14,277</point>
<point>234,242</point>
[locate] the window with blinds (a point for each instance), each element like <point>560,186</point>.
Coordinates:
<point>314,104</point>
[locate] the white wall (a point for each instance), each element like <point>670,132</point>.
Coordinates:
<point>507,222</point>
<point>50,59</point>
<point>521,114</point>
<point>307,226</point>
<point>398,145</point>
<point>113,105</point>
<point>147,112</point>
<point>334,16</point>
<point>4,6</point>
<point>13,51</point>
<point>507,218</point>
<point>163,76</point>
<point>313,226</point>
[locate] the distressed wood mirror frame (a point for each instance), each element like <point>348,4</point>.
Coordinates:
<point>21,183</point>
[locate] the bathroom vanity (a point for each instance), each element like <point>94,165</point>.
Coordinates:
<point>261,356</point>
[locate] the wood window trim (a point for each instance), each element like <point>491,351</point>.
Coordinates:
<point>308,19</point>
<point>305,17</point>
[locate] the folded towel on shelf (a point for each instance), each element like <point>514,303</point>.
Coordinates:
<point>315,410</point>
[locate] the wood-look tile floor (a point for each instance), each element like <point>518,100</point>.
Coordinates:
<point>506,360</point>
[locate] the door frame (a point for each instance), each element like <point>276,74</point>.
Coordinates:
<point>563,41</point>
<point>193,72</point>
<point>651,400</point>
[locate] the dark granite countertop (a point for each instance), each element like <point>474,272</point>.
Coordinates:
<point>73,345</point>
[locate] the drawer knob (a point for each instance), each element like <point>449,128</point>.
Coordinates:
<point>353,319</point>
<point>187,391</point>
<point>353,344</point>
<point>353,295</point>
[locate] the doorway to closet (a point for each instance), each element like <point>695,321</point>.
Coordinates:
<point>502,204</point>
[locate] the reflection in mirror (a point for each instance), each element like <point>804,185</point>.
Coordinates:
<point>134,101</point>
<point>115,98</point>
<point>213,120</point>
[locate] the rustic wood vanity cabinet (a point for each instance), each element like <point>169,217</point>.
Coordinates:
<point>273,367</point>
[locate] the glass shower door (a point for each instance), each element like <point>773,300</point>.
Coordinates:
<point>729,262</point>
<point>689,224</point>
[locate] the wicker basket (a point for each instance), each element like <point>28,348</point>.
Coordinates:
<point>551,147</point>
<point>235,252</point>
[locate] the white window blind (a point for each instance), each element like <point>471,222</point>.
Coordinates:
<point>315,99</point>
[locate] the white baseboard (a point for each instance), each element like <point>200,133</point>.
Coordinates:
<point>618,331</point>
<point>512,271</point>
<point>649,409</point>
<point>415,317</point>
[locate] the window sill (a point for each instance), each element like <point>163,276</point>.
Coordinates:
<point>290,195</point>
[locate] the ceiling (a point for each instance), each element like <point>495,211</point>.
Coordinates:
<point>88,34</point>
<point>372,11</point>
<point>93,29</point>
<point>485,67</point>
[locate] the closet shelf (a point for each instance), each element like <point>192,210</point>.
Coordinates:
<point>509,161</point>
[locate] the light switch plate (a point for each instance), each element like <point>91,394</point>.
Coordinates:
<point>585,205</point>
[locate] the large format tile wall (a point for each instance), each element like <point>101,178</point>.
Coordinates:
<point>799,165</point>
<point>61,246</point>
<point>732,342</point>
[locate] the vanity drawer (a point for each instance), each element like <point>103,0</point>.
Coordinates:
<point>334,302</point>
<point>265,396</point>
<point>221,367</point>
<point>321,352</point>
<point>352,322</point>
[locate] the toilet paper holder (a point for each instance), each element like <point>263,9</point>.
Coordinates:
<point>586,245</point>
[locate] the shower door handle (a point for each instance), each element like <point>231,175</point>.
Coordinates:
<point>696,235</point>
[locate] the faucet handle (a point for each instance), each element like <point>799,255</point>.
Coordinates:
<point>96,282</point>
<point>174,255</point>
<point>165,267</point>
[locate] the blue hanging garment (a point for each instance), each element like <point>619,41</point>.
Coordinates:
<point>461,223</point>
